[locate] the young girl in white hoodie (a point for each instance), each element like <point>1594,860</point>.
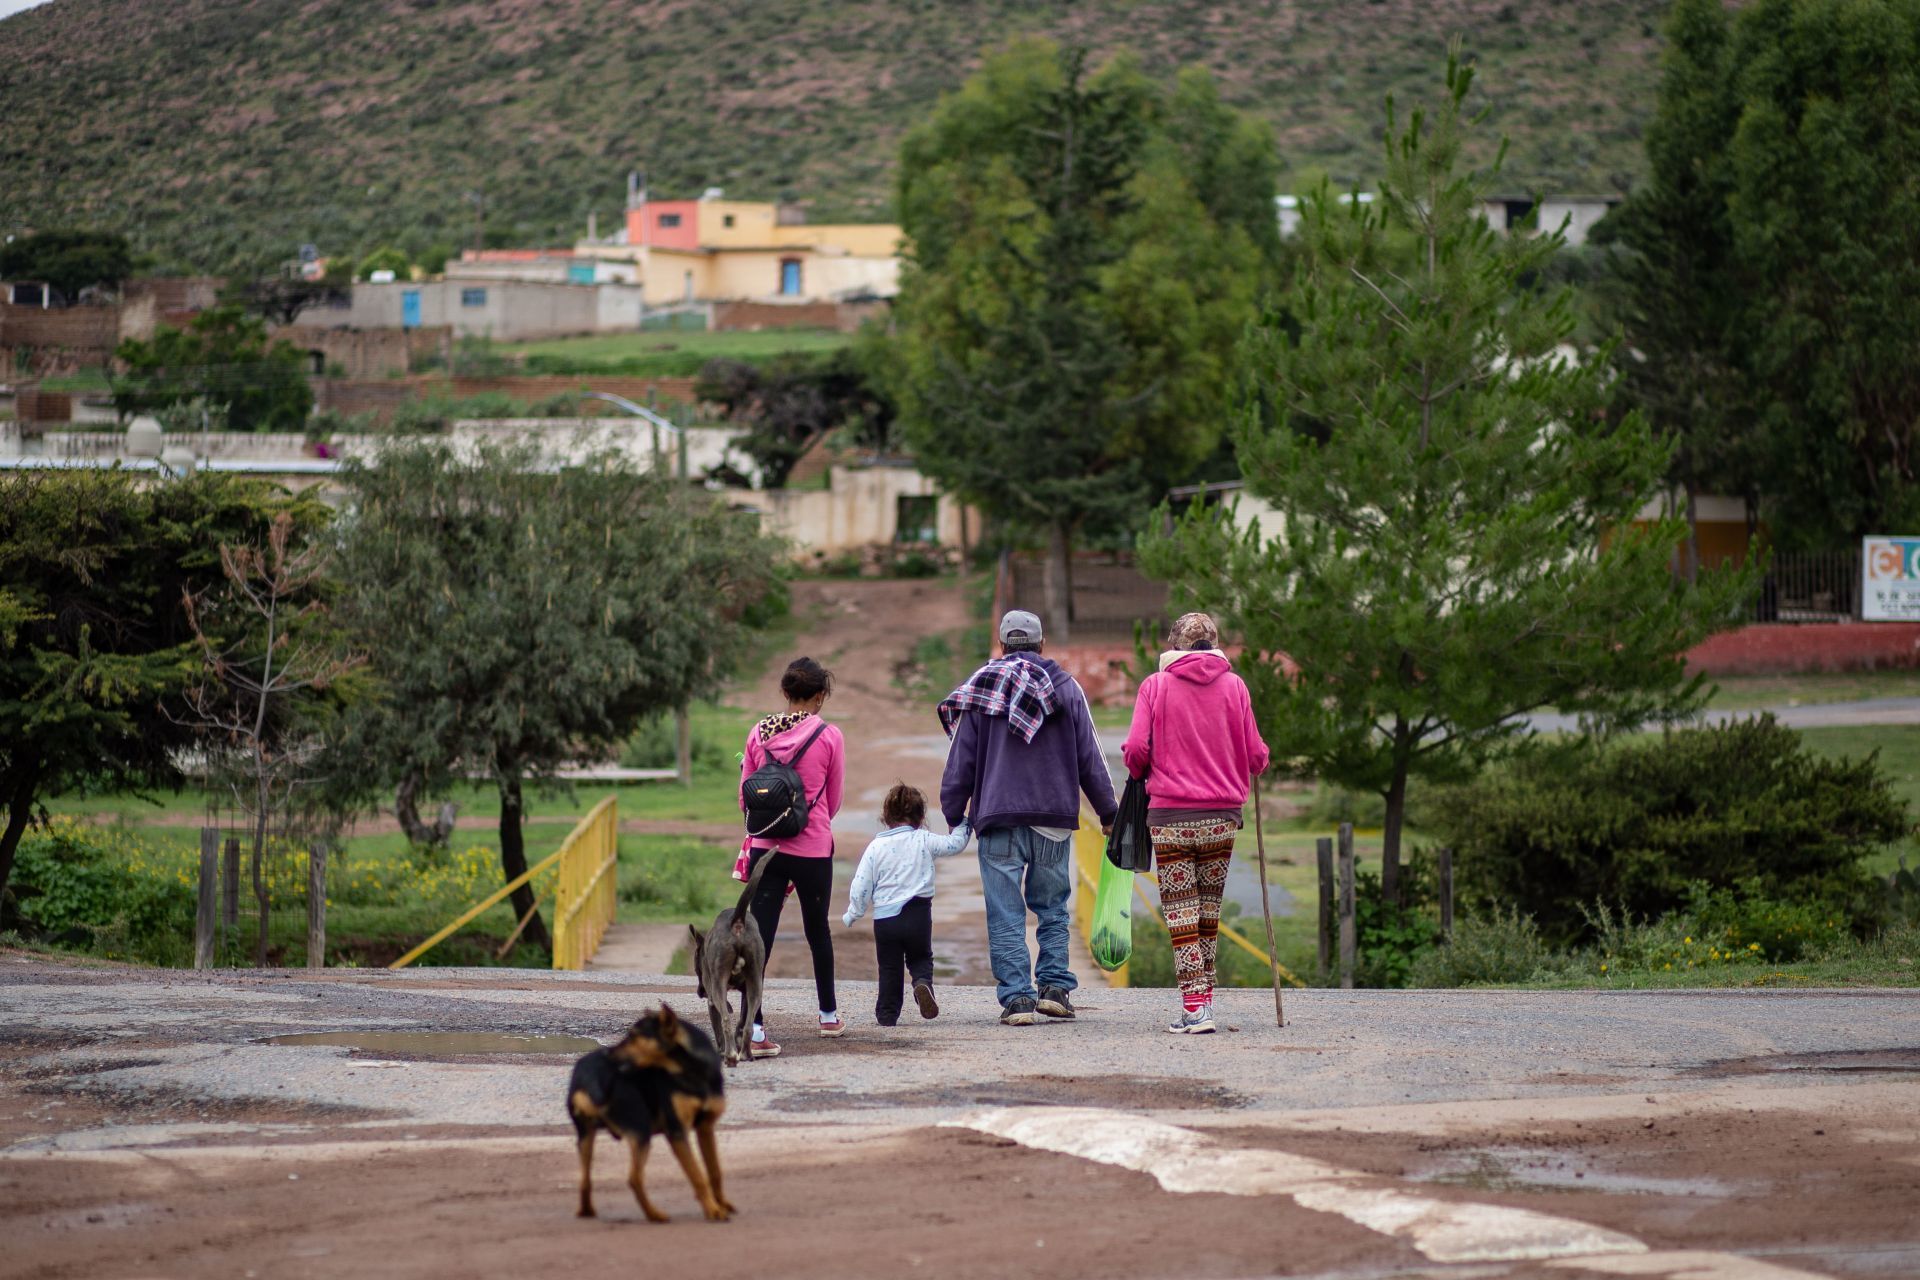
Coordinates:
<point>895,878</point>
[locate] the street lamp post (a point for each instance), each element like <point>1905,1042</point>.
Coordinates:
<point>657,421</point>
<point>683,727</point>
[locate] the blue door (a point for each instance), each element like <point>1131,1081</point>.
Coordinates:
<point>409,308</point>
<point>790,277</point>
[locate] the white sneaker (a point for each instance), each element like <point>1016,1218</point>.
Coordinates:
<point>1197,1023</point>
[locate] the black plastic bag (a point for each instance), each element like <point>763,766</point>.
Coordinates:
<point>1129,846</point>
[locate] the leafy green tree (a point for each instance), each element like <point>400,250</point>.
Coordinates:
<point>1672,281</point>
<point>523,617</point>
<point>1764,273</point>
<point>70,261</point>
<point>264,701</point>
<point>790,404</point>
<point>1084,250</point>
<point>225,358</point>
<point>384,259</point>
<point>1825,205</point>
<point>1454,545</point>
<point>95,635</point>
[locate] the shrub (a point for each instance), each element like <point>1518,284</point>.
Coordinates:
<point>656,745</point>
<point>1747,921</point>
<point>1636,823</point>
<point>1502,946</point>
<point>1330,806</point>
<point>1389,938</point>
<point>106,889</point>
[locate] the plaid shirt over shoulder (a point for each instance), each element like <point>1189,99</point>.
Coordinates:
<point>1008,687</point>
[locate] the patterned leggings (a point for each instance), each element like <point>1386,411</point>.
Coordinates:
<point>1192,859</point>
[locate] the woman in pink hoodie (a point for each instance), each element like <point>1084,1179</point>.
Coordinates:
<point>1195,742</point>
<point>804,861</point>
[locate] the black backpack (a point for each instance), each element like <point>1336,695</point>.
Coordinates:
<point>775,798</point>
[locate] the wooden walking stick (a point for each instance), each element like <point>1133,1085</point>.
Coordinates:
<point>1266,908</point>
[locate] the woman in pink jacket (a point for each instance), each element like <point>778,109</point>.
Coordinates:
<point>1195,742</point>
<point>804,861</point>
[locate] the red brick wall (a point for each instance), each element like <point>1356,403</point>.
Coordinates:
<point>1777,649</point>
<point>89,329</point>
<point>31,404</point>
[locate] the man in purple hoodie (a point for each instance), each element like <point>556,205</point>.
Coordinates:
<point>1023,751</point>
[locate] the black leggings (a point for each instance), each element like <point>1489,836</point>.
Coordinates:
<point>904,940</point>
<point>812,881</point>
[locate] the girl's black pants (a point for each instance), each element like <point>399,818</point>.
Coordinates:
<point>812,881</point>
<point>902,941</point>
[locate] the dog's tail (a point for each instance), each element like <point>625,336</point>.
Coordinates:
<point>746,894</point>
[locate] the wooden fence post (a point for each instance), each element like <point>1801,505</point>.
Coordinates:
<point>1323,854</point>
<point>317,905</point>
<point>1446,893</point>
<point>1347,929</point>
<point>230,884</point>
<point>206,907</point>
<point>683,746</point>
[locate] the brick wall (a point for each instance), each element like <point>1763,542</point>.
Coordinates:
<point>367,353</point>
<point>32,405</point>
<point>94,331</point>
<point>1830,646</point>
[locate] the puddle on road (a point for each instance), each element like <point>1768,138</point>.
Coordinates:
<point>438,1044</point>
<point>1543,1169</point>
<point>1902,1060</point>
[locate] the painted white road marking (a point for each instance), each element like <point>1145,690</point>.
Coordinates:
<point>1182,1160</point>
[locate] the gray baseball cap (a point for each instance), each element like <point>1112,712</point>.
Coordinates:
<point>1017,626</point>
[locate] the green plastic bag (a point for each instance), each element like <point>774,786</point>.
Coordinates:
<point>1112,940</point>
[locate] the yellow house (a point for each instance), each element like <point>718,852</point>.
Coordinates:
<point>714,249</point>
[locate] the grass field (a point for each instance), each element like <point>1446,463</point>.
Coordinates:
<point>675,354</point>
<point>1741,693</point>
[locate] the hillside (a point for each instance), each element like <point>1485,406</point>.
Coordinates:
<point>213,128</point>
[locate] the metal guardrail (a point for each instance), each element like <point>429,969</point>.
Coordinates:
<point>585,891</point>
<point>586,894</point>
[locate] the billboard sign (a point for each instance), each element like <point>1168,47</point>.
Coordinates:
<point>1890,579</point>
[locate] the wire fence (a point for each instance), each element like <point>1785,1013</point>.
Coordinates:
<point>1810,586</point>
<point>1110,596</point>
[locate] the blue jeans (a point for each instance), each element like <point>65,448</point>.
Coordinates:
<point>1020,871</point>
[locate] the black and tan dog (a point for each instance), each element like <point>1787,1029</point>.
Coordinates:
<point>731,957</point>
<point>663,1077</point>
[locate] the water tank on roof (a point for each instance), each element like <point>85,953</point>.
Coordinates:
<point>144,438</point>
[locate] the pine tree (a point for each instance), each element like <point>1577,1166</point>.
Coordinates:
<point>1456,545</point>
<point>1084,251</point>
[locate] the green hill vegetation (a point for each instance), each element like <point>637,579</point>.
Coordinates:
<point>216,131</point>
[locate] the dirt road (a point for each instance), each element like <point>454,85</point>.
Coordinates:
<point>147,1127</point>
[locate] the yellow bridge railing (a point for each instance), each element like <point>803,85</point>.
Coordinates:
<point>1089,854</point>
<point>587,892</point>
<point>584,887</point>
